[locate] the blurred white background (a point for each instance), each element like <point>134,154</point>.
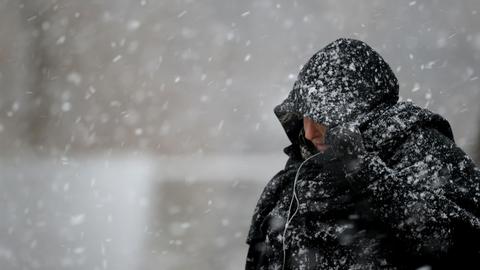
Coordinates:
<point>139,134</point>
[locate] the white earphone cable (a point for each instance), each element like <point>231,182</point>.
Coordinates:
<point>289,219</point>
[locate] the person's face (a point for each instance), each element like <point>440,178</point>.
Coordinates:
<point>315,132</point>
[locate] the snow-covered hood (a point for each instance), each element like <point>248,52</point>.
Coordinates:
<point>347,81</point>
<point>339,83</point>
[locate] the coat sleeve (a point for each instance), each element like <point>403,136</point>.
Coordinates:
<point>428,196</point>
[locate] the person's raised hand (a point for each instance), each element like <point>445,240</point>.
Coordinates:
<point>345,150</point>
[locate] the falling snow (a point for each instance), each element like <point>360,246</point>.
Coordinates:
<point>142,133</point>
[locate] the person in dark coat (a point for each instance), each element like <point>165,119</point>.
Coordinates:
<point>380,184</point>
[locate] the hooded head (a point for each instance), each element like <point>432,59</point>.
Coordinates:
<point>340,83</point>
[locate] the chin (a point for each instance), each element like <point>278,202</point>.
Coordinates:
<point>321,147</point>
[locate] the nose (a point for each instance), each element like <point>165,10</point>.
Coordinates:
<point>309,127</point>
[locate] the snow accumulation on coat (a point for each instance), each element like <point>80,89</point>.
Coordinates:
<point>414,203</point>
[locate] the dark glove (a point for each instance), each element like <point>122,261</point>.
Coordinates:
<point>345,153</point>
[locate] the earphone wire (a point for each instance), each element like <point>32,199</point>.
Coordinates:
<point>289,219</point>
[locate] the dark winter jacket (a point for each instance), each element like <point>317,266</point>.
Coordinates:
<point>414,202</point>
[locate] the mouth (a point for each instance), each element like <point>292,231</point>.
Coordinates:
<point>320,146</point>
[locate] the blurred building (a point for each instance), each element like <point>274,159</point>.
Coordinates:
<point>132,132</point>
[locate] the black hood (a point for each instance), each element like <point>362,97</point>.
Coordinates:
<point>339,83</point>
<point>348,82</point>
